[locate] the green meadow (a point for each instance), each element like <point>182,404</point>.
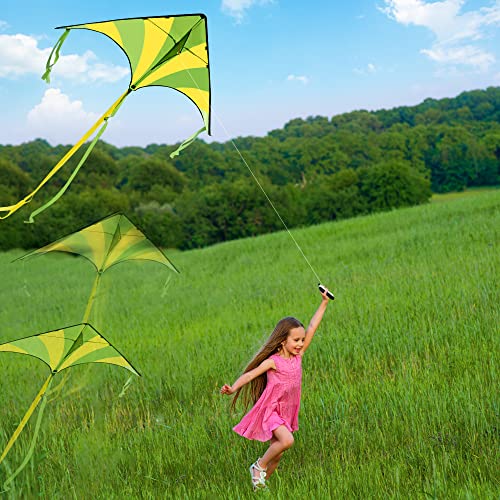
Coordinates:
<point>400,388</point>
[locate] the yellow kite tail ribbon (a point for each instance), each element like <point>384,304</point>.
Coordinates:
<point>110,112</point>
<point>76,170</point>
<point>86,317</point>
<point>33,442</point>
<point>26,417</point>
<point>92,295</point>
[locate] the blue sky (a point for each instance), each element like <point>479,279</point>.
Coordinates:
<point>271,61</point>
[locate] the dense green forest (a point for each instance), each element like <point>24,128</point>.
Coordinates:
<point>314,170</point>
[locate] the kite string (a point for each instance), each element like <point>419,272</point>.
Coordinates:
<point>270,202</point>
<point>258,183</point>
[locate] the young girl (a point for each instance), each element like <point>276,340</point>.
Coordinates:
<point>274,375</point>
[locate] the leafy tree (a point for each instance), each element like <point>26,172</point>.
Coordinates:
<point>392,184</point>
<point>14,183</point>
<point>334,197</point>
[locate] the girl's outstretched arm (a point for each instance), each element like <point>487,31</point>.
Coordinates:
<point>315,321</point>
<point>267,364</point>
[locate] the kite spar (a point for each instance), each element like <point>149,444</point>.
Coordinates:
<point>162,51</point>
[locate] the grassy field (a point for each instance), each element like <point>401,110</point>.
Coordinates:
<point>400,389</point>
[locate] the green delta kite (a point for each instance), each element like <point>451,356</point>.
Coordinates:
<point>59,349</point>
<point>109,241</point>
<point>162,51</point>
<point>105,243</point>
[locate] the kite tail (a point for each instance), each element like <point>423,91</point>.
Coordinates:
<point>44,207</point>
<point>56,49</point>
<point>187,142</point>
<point>125,387</point>
<point>109,113</point>
<point>33,441</point>
<point>92,295</point>
<point>25,419</point>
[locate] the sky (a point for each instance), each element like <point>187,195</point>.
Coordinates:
<point>270,61</point>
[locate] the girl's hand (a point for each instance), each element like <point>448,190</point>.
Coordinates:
<point>325,296</point>
<point>226,389</point>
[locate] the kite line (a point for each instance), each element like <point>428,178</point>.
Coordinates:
<point>259,184</point>
<point>269,200</point>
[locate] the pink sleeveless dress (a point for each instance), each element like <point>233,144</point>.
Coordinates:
<point>279,403</point>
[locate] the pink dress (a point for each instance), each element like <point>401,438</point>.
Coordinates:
<point>279,403</point>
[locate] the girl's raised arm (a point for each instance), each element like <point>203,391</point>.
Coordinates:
<point>267,364</point>
<point>315,321</point>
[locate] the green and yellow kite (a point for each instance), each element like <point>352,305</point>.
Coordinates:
<point>110,241</point>
<point>60,349</point>
<point>169,51</point>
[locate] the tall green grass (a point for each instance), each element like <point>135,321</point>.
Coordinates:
<point>400,390</point>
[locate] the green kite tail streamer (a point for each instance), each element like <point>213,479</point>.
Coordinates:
<point>187,142</point>
<point>33,441</point>
<point>85,319</point>
<point>27,416</point>
<point>56,49</point>
<point>39,210</point>
<point>125,387</point>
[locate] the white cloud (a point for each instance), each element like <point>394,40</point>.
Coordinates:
<point>467,54</point>
<point>20,55</point>
<point>58,119</point>
<point>237,8</point>
<point>369,69</point>
<point>298,78</point>
<point>451,28</point>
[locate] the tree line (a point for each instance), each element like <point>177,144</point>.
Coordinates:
<point>314,170</point>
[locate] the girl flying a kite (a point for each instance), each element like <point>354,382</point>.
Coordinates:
<point>274,377</point>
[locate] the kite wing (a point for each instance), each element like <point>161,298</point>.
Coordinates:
<point>162,51</point>
<point>60,349</point>
<point>69,346</point>
<point>110,241</point>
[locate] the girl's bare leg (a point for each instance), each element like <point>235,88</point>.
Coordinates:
<point>271,466</point>
<point>282,440</point>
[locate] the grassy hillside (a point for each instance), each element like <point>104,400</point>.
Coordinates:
<point>400,390</point>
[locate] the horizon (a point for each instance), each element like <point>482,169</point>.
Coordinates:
<point>209,140</point>
<point>270,63</point>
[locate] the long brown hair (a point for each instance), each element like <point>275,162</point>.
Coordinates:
<point>253,390</point>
